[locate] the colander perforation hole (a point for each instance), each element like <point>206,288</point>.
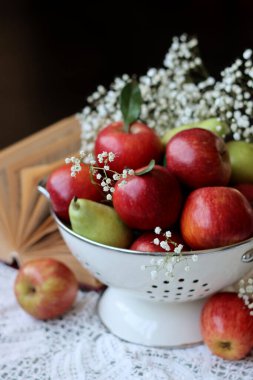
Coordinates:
<point>192,290</point>
<point>181,280</point>
<point>195,281</point>
<point>180,288</point>
<point>204,284</point>
<point>178,294</point>
<point>165,296</point>
<point>149,291</point>
<point>190,295</point>
<point>152,297</point>
<point>166,291</point>
<point>166,282</point>
<point>207,290</point>
<point>154,286</point>
<point>98,274</point>
<point>86,263</point>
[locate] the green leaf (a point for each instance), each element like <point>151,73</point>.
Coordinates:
<point>130,103</point>
<point>147,169</point>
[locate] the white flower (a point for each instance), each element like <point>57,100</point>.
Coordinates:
<point>178,249</point>
<point>195,258</point>
<point>156,241</point>
<point>158,230</point>
<point>168,234</point>
<point>98,176</point>
<point>116,177</point>
<point>249,289</point>
<point>106,167</point>
<point>165,245</point>
<point>111,156</point>
<point>247,54</point>
<point>109,197</point>
<point>100,158</point>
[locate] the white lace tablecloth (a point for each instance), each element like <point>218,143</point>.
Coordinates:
<point>78,347</point>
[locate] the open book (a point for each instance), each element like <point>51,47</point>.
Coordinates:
<point>27,231</point>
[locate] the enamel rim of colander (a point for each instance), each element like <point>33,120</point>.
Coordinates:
<point>130,251</point>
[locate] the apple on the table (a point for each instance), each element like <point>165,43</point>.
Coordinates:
<point>227,326</point>
<point>45,288</point>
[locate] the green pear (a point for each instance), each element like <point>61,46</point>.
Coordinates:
<point>241,158</point>
<point>220,128</point>
<point>99,222</point>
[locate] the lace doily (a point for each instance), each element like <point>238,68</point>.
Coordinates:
<point>78,347</point>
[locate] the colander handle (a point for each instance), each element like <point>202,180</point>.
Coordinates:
<point>247,257</point>
<point>42,189</point>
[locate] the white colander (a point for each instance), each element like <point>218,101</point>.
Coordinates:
<point>160,312</point>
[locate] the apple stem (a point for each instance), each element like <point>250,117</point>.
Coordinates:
<point>75,204</point>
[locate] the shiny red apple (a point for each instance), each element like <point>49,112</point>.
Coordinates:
<point>63,188</point>
<point>214,217</point>
<point>150,200</point>
<point>133,149</point>
<point>145,242</point>
<point>247,190</point>
<point>227,326</point>
<point>45,288</point>
<point>198,158</point>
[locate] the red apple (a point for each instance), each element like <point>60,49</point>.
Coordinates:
<point>63,188</point>
<point>150,200</point>
<point>45,288</point>
<point>247,190</point>
<point>227,326</point>
<point>145,242</point>
<point>214,217</point>
<point>198,158</point>
<point>133,149</point>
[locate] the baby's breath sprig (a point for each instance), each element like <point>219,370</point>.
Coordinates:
<point>105,176</point>
<point>178,93</point>
<point>246,293</point>
<point>171,258</point>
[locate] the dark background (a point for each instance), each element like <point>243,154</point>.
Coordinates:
<point>53,55</point>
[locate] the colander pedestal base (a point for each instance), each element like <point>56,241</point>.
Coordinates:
<point>151,323</point>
